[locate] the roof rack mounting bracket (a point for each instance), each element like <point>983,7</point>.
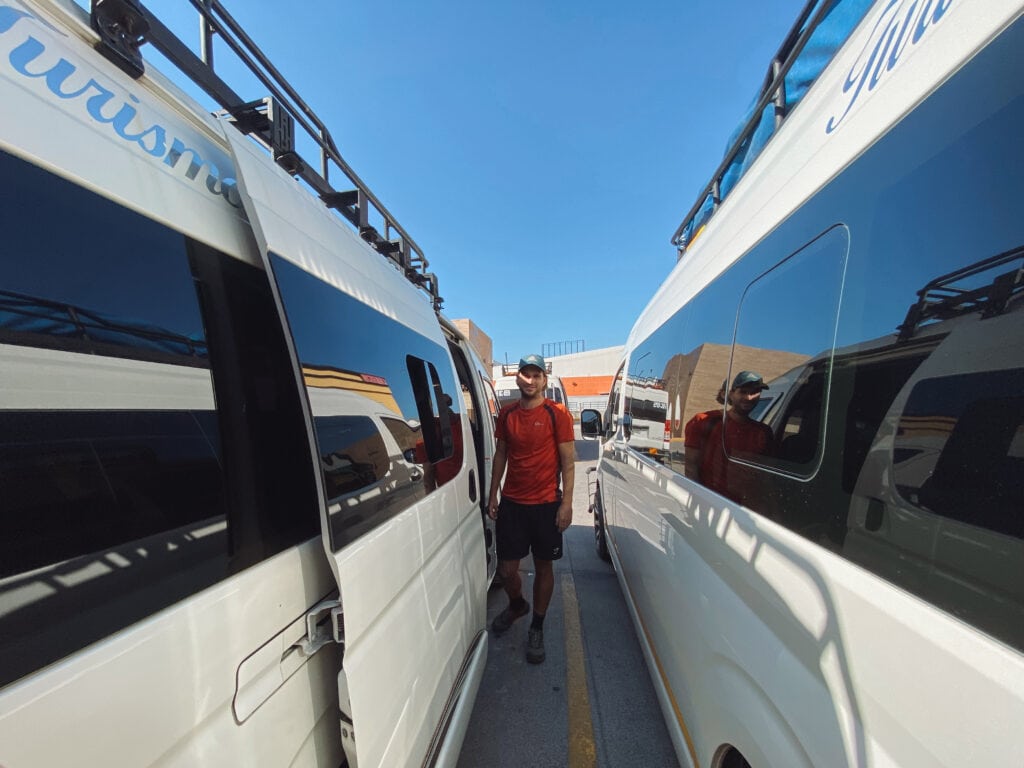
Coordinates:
<point>122,27</point>
<point>268,119</point>
<point>352,204</point>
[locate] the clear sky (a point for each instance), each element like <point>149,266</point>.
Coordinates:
<point>540,153</point>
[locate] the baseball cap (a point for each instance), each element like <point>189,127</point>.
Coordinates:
<point>744,378</point>
<point>536,360</point>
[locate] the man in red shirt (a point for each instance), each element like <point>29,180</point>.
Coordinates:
<point>536,444</point>
<point>708,436</point>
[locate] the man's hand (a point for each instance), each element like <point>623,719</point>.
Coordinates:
<point>564,517</point>
<point>492,508</point>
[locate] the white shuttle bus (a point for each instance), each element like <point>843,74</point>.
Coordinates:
<point>860,247</point>
<point>242,456</point>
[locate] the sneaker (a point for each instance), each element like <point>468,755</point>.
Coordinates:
<point>535,646</point>
<point>506,618</point>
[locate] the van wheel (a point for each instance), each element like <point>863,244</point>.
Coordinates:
<point>600,540</point>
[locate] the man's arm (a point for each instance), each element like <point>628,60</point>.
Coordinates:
<point>695,434</point>
<point>567,459</point>
<point>497,471</point>
<point>691,462</point>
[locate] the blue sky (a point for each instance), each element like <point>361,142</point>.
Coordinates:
<point>540,153</point>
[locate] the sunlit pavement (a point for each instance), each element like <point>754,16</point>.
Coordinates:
<point>591,703</point>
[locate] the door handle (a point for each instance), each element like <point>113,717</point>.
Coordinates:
<point>874,515</point>
<point>472,485</point>
<point>323,626</point>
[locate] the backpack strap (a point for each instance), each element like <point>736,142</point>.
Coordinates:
<point>554,436</point>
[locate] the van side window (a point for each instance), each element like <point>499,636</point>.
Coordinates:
<point>430,408</point>
<point>959,449</point>
<point>787,315</point>
<point>111,462</point>
<point>377,391</point>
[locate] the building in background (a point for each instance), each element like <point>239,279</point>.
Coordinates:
<point>478,340</point>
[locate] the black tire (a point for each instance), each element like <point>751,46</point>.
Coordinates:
<point>600,539</point>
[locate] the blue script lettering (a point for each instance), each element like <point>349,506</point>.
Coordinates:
<point>9,17</point>
<point>28,60</point>
<point>886,44</point>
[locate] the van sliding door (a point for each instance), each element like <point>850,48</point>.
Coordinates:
<point>384,424</point>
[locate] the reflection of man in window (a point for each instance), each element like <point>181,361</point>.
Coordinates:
<point>696,431</point>
<point>708,436</point>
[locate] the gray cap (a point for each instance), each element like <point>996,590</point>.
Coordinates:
<point>743,378</point>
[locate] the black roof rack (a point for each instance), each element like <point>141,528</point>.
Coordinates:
<point>125,26</point>
<point>941,299</point>
<point>773,91</point>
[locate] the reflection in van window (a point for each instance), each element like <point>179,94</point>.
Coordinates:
<point>111,468</point>
<point>353,454</point>
<point>358,391</point>
<point>788,313</point>
<point>64,287</point>
<point>959,449</point>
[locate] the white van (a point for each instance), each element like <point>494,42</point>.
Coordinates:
<point>242,457</point>
<point>844,585</point>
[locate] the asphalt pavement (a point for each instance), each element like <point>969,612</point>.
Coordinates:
<point>591,704</point>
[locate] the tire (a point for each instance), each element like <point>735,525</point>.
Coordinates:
<point>600,538</point>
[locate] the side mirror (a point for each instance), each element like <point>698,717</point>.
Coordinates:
<point>590,422</point>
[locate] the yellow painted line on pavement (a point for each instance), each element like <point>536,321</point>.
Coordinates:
<point>582,752</point>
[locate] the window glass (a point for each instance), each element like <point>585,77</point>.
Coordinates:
<point>262,417</point>
<point>507,391</point>
<point>492,398</point>
<point>646,406</point>
<point>788,315</point>
<point>112,502</point>
<point>610,421</point>
<point>555,394</point>
<point>67,287</point>
<point>363,373</point>
<point>957,449</point>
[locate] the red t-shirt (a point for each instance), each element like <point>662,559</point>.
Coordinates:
<point>531,442</point>
<point>704,432</point>
<point>697,429</point>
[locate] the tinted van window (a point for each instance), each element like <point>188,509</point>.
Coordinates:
<point>363,373</point>
<point>112,500</point>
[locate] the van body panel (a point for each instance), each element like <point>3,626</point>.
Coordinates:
<point>203,637</point>
<point>300,229</point>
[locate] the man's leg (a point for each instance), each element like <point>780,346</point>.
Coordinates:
<point>543,585</point>
<point>517,606</point>
<point>510,579</point>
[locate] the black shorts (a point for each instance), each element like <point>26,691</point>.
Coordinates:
<point>523,528</point>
